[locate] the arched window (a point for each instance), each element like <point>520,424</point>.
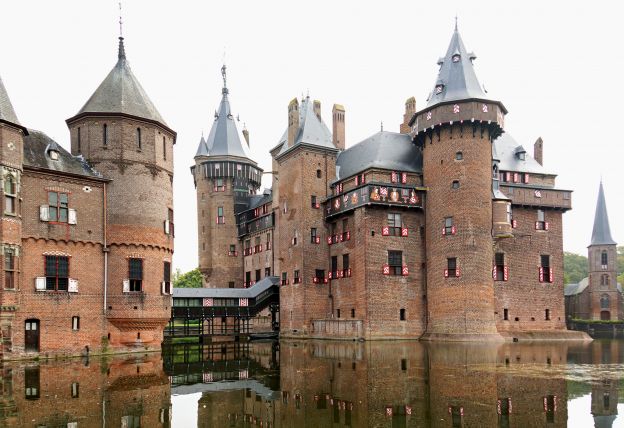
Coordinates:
<point>138,138</point>
<point>105,134</point>
<point>604,279</point>
<point>605,302</point>
<point>604,259</point>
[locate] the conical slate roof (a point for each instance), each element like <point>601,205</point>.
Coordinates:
<point>202,149</point>
<point>601,235</point>
<point>456,79</point>
<point>7,113</point>
<point>312,130</point>
<point>224,139</point>
<point>121,92</point>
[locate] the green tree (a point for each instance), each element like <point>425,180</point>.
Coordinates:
<point>575,267</point>
<point>190,279</point>
<point>620,265</point>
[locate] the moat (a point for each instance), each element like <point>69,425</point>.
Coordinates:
<point>324,384</point>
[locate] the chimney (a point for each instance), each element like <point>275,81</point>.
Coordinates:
<point>246,136</point>
<point>338,126</point>
<point>293,120</point>
<point>538,151</point>
<point>317,109</point>
<point>410,109</point>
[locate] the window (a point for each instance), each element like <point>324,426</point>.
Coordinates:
<point>449,228</point>
<point>360,179</point>
<point>58,207</point>
<point>284,278</point>
<point>267,272</point>
<point>334,266</point>
<point>268,241</point>
<point>258,278</point>
<point>345,265</point>
<point>313,201</point>
<point>605,301</point>
<point>313,237</point>
<point>318,173</point>
<point>220,216</point>
<point>75,390</point>
<point>500,270</point>
<point>319,275</point>
<point>31,383</point>
<point>131,421</point>
<point>455,184</point>
<point>105,135</point>
<point>547,314</point>
<point>604,259</point>
<point>345,229</point>
<point>604,280</point>
<point>9,269</point>
<point>167,277</point>
<point>78,139</point>
<point>231,284</point>
<point>541,224</point>
<point>459,156</point>
<point>170,222</point>
<point>395,261</point>
<point>337,313</point>
<point>57,273</point>
<point>10,193</point>
<point>506,314</point>
<point>510,215</point>
<point>135,274</point>
<point>451,267</point>
<point>402,315</point>
<point>296,279</point>
<point>247,279</point>
<point>545,271</point>
<point>75,323</point>
<point>394,224</point>
<point>138,138</point>
<point>164,149</point>
<point>352,313</point>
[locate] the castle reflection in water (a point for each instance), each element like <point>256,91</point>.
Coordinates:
<point>323,384</point>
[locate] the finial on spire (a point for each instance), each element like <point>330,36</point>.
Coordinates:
<point>382,126</point>
<point>455,22</point>
<point>224,75</point>
<point>120,22</point>
<point>122,51</point>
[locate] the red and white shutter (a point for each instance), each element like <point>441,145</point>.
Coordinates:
<point>541,274</point>
<point>208,301</point>
<point>404,231</point>
<point>552,277</point>
<point>453,230</point>
<point>514,223</point>
<point>405,271</point>
<point>386,270</point>
<point>385,231</point>
<point>546,225</point>
<point>446,273</point>
<point>403,177</point>
<point>243,302</point>
<point>393,177</point>
<point>505,273</point>
<point>457,272</point>
<point>526,178</point>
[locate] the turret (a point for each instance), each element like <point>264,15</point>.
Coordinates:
<point>122,134</point>
<point>455,130</point>
<point>338,126</point>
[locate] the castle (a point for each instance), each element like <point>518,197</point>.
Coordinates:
<point>87,236</point>
<point>445,230</point>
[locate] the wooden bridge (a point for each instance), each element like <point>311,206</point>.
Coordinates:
<point>207,313</point>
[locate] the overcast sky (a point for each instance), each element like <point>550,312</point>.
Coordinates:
<point>556,66</point>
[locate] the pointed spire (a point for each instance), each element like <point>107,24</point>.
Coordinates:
<point>121,55</point>
<point>7,113</point>
<point>601,234</point>
<point>224,75</point>
<point>202,149</point>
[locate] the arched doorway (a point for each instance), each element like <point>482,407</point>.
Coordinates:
<point>605,315</point>
<point>31,335</point>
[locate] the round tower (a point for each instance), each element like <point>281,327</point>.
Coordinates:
<point>225,177</point>
<point>455,131</point>
<point>122,135</point>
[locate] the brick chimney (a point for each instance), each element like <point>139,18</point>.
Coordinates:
<point>410,109</point>
<point>293,120</point>
<point>538,151</point>
<point>338,126</point>
<point>317,109</point>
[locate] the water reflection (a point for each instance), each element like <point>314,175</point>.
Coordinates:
<point>318,384</point>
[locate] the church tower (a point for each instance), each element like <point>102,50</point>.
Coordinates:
<point>605,300</point>
<point>120,133</point>
<point>225,178</point>
<point>456,130</point>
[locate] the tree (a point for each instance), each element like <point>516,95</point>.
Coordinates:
<point>190,279</point>
<point>575,268</point>
<point>620,265</point>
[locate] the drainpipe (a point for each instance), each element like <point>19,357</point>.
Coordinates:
<point>105,250</point>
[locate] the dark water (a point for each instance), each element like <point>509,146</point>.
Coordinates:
<point>325,384</point>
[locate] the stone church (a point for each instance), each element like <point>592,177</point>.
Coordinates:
<point>86,236</point>
<point>448,229</point>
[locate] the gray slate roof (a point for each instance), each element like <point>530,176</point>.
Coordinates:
<point>384,150</point>
<point>506,149</point>
<point>459,78</point>
<point>121,92</point>
<point>574,289</point>
<point>36,155</point>
<point>7,113</point>
<point>601,234</point>
<point>224,139</point>
<point>202,148</point>
<point>227,293</point>
<point>258,200</point>
<point>312,130</point>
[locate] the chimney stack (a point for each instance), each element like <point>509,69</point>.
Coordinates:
<point>317,109</point>
<point>246,136</point>
<point>410,109</point>
<point>338,126</point>
<point>293,120</point>
<point>538,151</point>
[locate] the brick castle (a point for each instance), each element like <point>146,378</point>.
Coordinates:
<point>445,230</point>
<point>87,237</point>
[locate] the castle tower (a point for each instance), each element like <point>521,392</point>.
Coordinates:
<point>605,298</point>
<point>11,168</point>
<point>122,135</point>
<point>225,177</point>
<point>305,163</point>
<point>456,130</point>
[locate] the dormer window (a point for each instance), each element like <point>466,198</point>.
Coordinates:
<point>456,58</point>
<point>522,156</point>
<point>439,88</point>
<point>54,154</point>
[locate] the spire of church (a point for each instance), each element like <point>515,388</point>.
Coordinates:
<point>7,113</point>
<point>601,234</point>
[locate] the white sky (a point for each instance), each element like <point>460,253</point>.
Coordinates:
<point>556,66</point>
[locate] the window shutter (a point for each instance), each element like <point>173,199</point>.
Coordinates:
<point>44,213</point>
<point>514,223</point>
<point>163,287</point>
<point>126,285</point>
<point>357,180</point>
<point>541,274</point>
<point>404,231</point>
<point>330,275</point>
<point>166,227</point>
<point>446,273</point>
<point>526,178</point>
<point>73,286</point>
<point>444,231</point>
<point>405,271</point>
<point>536,225</point>
<point>453,230</point>
<point>508,176</point>
<point>551,275</point>
<point>393,177</point>
<point>515,177</point>
<point>385,231</point>
<point>505,273</point>
<point>72,216</point>
<point>494,272</point>
<point>403,177</point>
<point>386,270</point>
<point>40,283</point>
<point>457,272</point>
<point>546,225</point>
